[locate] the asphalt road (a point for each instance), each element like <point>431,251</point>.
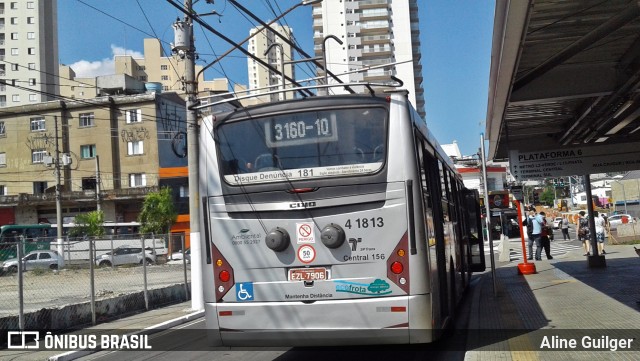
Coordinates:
<point>179,344</point>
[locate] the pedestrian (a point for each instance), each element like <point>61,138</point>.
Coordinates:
<point>599,223</point>
<point>530,219</point>
<point>583,233</point>
<point>565,228</point>
<point>545,242</point>
<point>538,223</point>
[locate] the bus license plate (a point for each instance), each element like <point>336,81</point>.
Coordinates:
<point>308,274</point>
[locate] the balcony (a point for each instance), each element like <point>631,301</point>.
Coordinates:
<point>72,197</point>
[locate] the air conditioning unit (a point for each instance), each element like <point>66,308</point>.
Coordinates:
<point>66,159</point>
<point>47,160</point>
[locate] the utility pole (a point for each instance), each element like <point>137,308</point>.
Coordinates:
<point>184,45</point>
<point>58,197</point>
<point>98,206</point>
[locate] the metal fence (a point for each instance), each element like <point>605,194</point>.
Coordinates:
<point>88,281</point>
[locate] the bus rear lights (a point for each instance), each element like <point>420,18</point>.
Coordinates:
<point>398,309</point>
<point>397,267</point>
<point>225,313</point>
<point>401,252</point>
<point>224,276</point>
<point>219,263</point>
<point>403,281</point>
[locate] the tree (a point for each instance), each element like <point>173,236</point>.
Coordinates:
<point>88,224</point>
<point>547,197</point>
<point>158,212</point>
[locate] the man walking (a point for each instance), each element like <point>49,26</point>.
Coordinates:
<point>538,223</point>
<point>565,228</point>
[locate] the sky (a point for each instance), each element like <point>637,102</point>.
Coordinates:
<point>455,40</point>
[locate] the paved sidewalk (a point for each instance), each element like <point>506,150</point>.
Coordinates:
<point>565,299</point>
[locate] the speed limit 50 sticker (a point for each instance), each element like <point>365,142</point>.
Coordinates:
<point>306,254</point>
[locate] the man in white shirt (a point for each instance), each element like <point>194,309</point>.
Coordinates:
<point>599,223</point>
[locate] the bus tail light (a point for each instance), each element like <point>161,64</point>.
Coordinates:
<point>222,274</point>
<point>398,264</point>
<point>397,267</point>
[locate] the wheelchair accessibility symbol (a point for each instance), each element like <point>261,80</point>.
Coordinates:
<point>244,291</point>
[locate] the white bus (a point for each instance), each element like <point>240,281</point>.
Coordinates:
<point>332,220</point>
<point>117,234</point>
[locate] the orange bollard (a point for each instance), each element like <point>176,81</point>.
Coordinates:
<point>524,268</point>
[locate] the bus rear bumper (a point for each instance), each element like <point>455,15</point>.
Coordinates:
<point>385,320</point>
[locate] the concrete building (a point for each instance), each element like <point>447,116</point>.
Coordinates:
<point>29,50</point>
<point>278,52</point>
<point>139,140</point>
<point>373,33</point>
<point>156,67</point>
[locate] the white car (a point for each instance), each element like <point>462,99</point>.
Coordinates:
<point>557,222</point>
<point>125,255</point>
<point>179,255</point>
<point>35,259</point>
<point>617,219</point>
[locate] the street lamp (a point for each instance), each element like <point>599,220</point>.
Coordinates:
<point>324,56</point>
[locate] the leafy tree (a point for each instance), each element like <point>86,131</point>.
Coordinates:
<point>158,212</point>
<point>547,197</point>
<point>88,224</point>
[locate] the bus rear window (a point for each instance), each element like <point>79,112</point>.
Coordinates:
<point>303,145</point>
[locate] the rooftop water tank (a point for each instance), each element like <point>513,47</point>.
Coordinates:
<point>153,87</point>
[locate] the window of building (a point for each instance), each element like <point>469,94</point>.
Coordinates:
<point>3,130</point>
<point>88,183</point>
<point>33,97</point>
<point>31,35</point>
<point>137,180</point>
<point>164,67</point>
<point>32,81</point>
<point>15,67</point>
<point>3,159</point>
<point>184,191</point>
<point>3,100</point>
<point>165,87</point>
<point>31,51</point>
<point>165,77</point>
<point>3,190</point>
<point>32,66</point>
<point>87,120</point>
<point>142,78</point>
<point>39,187</point>
<point>135,147</point>
<point>38,124</point>
<point>133,115</point>
<point>14,51</point>
<point>30,5</point>
<point>31,20</point>
<point>14,36</point>
<point>141,67</point>
<point>14,21</point>
<point>37,155</point>
<point>14,5</point>
<point>88,151</point>
<point>15,98</point>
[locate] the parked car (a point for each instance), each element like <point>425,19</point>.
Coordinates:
<point>36,259</point>
<point>557,222</point>
<point>179,255</point>
<point>125,255</point>
<point>616,219</point>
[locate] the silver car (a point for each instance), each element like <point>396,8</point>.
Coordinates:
<point>125,255</point>
<point>35,259</point>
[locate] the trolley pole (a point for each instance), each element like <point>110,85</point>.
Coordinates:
<point>185,28</point>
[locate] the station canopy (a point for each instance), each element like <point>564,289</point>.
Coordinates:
<point>564,95</point>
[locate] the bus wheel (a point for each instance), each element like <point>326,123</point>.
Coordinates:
<point>104,264</point>
<point>13,269</point>
<point>53,266</point>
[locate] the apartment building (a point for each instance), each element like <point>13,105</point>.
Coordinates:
<point>270,48</point>
<point>28,51</point>
<point>373,33</point>
<point>167,70</point>
<point>139,141</point>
